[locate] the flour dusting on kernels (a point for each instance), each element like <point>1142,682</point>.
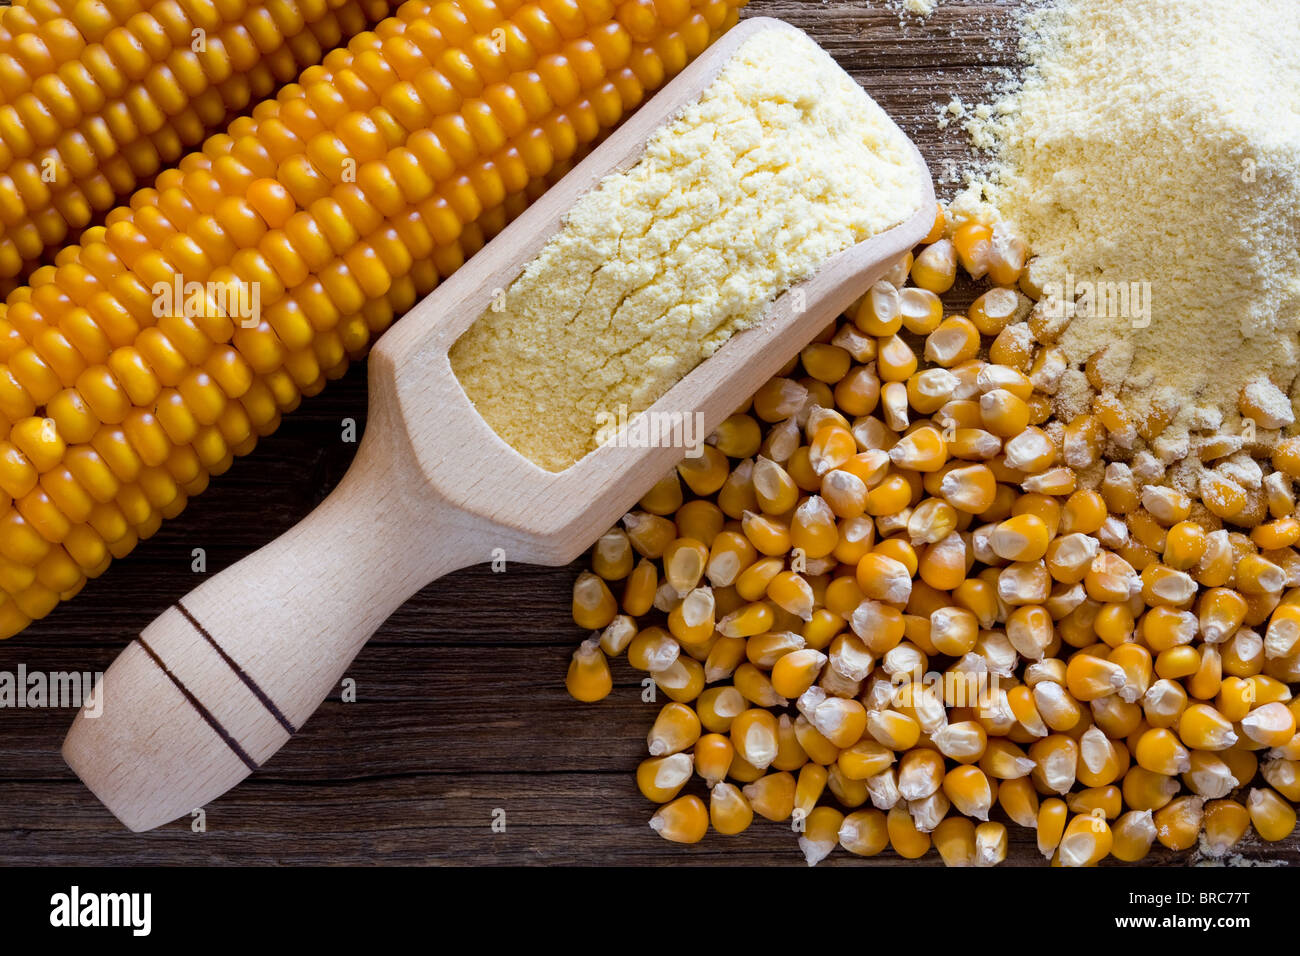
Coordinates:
<point>1154,146</point>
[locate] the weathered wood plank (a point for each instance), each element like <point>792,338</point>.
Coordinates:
<point>460,705</point>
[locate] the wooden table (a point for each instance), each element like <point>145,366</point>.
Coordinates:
<point>460,711</point>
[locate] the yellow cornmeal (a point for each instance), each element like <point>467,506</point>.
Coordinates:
<point>783,162</point>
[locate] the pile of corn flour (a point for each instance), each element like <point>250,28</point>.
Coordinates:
<point>1152,148</point>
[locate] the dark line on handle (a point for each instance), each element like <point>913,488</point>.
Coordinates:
<point>198,706</point>
<point>239,671</point>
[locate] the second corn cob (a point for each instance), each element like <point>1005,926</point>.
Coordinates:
<point>97,96</point>
<point>341,202</point>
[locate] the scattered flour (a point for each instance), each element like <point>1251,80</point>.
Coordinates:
<point>917,8</point>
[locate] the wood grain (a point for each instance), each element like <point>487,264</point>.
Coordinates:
<point>460,708</point>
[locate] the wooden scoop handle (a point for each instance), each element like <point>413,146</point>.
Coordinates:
<point>221,680</point>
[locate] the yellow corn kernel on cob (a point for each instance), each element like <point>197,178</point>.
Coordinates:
<point>340,203</point>
<point>95,97</point>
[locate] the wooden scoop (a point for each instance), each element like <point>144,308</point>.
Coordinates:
<point>221,680</point>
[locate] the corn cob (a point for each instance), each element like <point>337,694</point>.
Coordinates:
<point>115,417</point>
<point>97,96</point>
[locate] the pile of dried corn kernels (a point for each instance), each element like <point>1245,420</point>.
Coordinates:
<point>896,597</point>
